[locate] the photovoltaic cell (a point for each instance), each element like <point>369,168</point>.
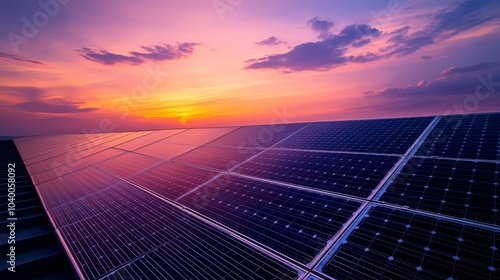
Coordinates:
<point>72,211</point>
<point>74,186</point>
<point>256,137</point>
<point>198,136</point>
<point>129,164</point>
<point>294,222</point>
<point>119,229</point>
<point>465,136</point>
<point>126,137</point>
<point>148,139</point>
<point>220,158</point>
<point>68,157</point>
<point>107,139</point>
<point>463,189</point>
<point>41,148</point>
<point>129,233</point>
<point>73,163</point>
<point>82,144</point>
<point>165,150</point>
<point>172,180</point>
<point>351,174</point>
<point>99,157</point>
<point>46,155</point>
<point>47,176</point>
<point>392,136</point>
<point>313,277</point>
<point>396,244</point>
<point>46,145</point>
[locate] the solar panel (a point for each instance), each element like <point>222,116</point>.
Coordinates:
<point>199,136</point>
<point>294,222</point>
<point>397,244</point>
<point>80,145</point>
<point>392,136</point>
<point>220,158</point>
<point>42,156</point>
<point>342,200</point>
<point>69,164</point>
<point>128,232</point>
<point>313,277</point>
<point>129,164</point>
<point>69,156</point>
<point>74,186</point>
<point>126,137</point>
<point>172,180</point>
<point>148,139</point>
<point>463,189</point>
<point>165,150</point>
<point>256,137</point>
<point>465,136</point>
<point>352,174</point>
<point>46,145</point>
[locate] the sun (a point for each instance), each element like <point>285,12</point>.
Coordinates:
<point>182,113</point>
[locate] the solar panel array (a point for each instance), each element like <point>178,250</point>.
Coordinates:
<point>367,199</point>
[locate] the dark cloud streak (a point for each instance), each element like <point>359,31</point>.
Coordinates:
<point>34,101</point>
<point>468,69</point>
<point>322,55</point>
<point>331,50</point>
<point>166,52</point>
<point>271,41</point>
<point>425,57</point>
<point>106,58</point>
<point>452,81</point>
<point>322,27</point>
<point>464,16</point>
<point>17,58</point>
<point>53,106</point>
<point>153,53</point>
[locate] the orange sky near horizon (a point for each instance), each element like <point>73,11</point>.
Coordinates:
<point>166,64</point>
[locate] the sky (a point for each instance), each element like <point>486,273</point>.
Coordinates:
<point>72,66</point>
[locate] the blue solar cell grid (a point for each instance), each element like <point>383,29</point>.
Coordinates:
<point>465,136</point>
<point>351,174</point>
<point>463,189</point>
<point>294,222</point>
<point>219,158</point>
<point>141,231</point>
<point>172,180</point>
<point>408,198</point>
<point>391,136</point>
<point>257,137</point>
<point>397,244</point>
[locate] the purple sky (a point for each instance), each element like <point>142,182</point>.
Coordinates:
<point>68,66</point>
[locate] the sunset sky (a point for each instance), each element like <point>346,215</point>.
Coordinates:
<point>67,65</point>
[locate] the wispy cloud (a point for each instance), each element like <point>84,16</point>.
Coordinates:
<point>271,41</point>
<point>34,100</point>
<point>166,52</point>
<point>18,58</point>
<point>107,58</point>
<point>322,27</point>
<point>404,44</point>
<point>472,68</point>
<point>53,106</point>
<point>425,57</point>
<point>322,55</point>
<point>152,53</point>
<point>452,81</point>
<point>332,50</point>
<point>23,92</point>
<point>443,24</point>
<point>463,16</point>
